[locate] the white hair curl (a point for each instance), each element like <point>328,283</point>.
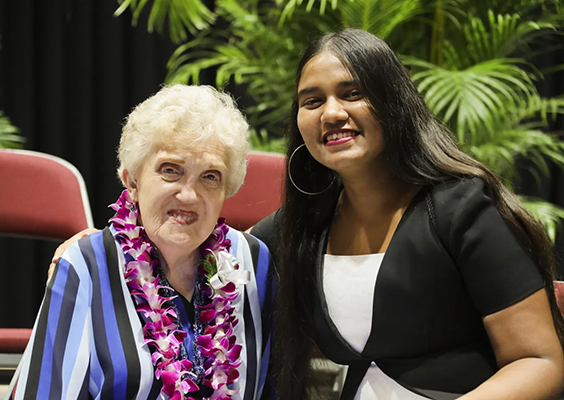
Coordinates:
<point>180,115</point>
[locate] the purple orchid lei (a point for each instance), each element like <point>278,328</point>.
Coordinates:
<point>163,333</point>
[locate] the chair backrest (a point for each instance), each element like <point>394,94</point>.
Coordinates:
<point>261,193</point>
<point>41,196</point>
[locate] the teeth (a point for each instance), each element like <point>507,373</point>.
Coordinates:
<point>339,135</point>
<point>183,217</point>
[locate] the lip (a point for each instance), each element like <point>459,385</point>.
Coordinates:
<point>354,133</point>
<point>183,217</point>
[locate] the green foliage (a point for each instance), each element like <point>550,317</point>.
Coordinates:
<point>549,215</point>
<point>471,59</point>
<point>260,141</point>
<point>379,17</point>
<point>251,54</point>
<point>183,16</point>
<point>469,100</point>
<point>9,138</point>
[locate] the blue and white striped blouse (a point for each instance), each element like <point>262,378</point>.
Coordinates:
<point>87,342</point>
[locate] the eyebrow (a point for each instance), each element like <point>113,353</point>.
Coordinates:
<point>181,161</point>
<point>312,89</point>
<point>169,159</point>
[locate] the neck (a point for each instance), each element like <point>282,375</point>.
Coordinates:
<point>181,272</point>
<point>368,213</point>
<point>370,194</point>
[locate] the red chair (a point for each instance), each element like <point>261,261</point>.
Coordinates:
<point>261,193</point>
<point>41,196</point>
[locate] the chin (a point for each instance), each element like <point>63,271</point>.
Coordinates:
<point>343,162</point>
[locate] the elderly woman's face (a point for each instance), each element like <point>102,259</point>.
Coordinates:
<point>180,195</point>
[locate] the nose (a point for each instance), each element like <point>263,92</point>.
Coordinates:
<point>187,193</point>
<point>333,111</point>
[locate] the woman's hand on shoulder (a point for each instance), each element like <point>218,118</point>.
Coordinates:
<point>61,249</point>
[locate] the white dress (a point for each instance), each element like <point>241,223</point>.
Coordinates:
<point>351,280</point>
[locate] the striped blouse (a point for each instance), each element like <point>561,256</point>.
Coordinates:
<point>87,342</point>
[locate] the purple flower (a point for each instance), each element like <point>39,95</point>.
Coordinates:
<point>217,239</point>
<point>175,382</point>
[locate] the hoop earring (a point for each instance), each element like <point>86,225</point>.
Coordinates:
<point>294,183</point>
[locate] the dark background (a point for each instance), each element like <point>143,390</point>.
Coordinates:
<point>69,74</point>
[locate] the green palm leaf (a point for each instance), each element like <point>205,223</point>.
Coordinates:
<point>546,109</point>
<point>380,17</point>
<point>9,138</point>
<point>503,35</point>
<point>469,100</point>
<point>549,215</point>
<point>183,16</point>
<point>532,144</point>
<point>290,6</point>
<point>252,55</point>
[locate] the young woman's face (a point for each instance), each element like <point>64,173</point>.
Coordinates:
<point>180,194</point>
<point>334,118</point>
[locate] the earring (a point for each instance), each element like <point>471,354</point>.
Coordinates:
<point>294,183</point>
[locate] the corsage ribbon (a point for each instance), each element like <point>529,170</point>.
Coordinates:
<point>227,272</point>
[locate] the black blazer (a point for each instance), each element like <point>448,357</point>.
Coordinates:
<point>436,283</point>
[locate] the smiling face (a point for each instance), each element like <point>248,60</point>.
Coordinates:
<point>334,118</point>
<point>180,195</point>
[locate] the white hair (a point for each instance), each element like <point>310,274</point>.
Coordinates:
<point>178,116</point>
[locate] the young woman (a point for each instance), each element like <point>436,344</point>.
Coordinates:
<point>398,254</point>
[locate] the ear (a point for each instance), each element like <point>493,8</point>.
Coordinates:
<point>130,184</point>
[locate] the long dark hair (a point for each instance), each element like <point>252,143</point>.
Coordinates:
<point>419,150</point>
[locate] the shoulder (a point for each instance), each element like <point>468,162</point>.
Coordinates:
<point>267,230</point>
<point>92,249</point>
<point>497,269</point>
<point>457,190</point>
<point>464,207</point>
<point>460,200</point>
<point>95,244</point>
<point>242,241</point>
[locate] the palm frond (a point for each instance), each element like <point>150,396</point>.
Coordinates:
<point>9,138</point>
<point>252,55</point>
<point>527,9</point>
<point>545,109</point>
<point>500,152</point>
<point>380,17</point>
<point>183,16</point>
<point>290,6</point>
<point>469,100</point>
<point>549,215</point>
<point>500,37</point>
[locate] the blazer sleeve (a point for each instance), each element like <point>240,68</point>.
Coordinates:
<point>266,230</point>
<point>56,361</point>
<point>265,235</point>
<point>498,272</point>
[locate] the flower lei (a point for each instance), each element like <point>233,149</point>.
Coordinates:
<point>215,340</point>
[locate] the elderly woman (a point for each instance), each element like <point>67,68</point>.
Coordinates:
<point>167,301</point>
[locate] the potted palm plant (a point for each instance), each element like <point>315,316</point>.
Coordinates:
<point>471,59</point>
